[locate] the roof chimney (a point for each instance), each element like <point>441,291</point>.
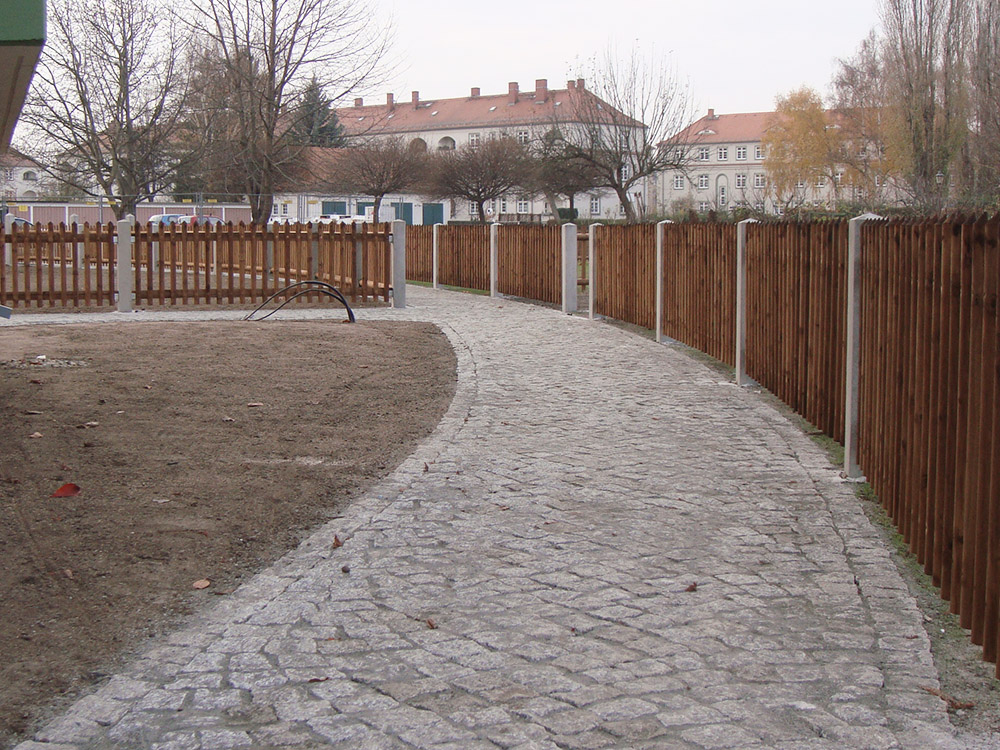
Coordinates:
<point>711,114</point>
<point>390,101</point>
<point>359,102</point>
<point>416,98</point>
<point>512,92</point>
<point>571,85</point>
<point>580,83</point>
<point>541,90</point>
<point>475,92</point>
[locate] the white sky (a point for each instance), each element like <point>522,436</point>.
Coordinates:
<point>737,55</point>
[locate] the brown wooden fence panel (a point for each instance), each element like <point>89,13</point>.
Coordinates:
<point>930,402</point>
<point>420,253</point>
<point>796,331</point>
<point>58,266</point>
<point>464,257</point>
<point>625,273</point>
<point>530,262</point>
<point>699,287</point>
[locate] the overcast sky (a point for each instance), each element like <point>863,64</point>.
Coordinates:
<point>736,55</point>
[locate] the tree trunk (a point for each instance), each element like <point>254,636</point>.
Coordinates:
<point>626,201</point>
<point>481,210</point>
<point>377,208</point>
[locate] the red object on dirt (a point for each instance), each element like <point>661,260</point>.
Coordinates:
<point>67,490</point>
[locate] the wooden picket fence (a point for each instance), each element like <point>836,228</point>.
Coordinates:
<point>699,287</point>
<point>420,253</point>
<point>625,273</point>
<point>530,262</point>
<point>59,266</point>
<point>464,257</point>
<point>930,402</point>
<point>796,311</point>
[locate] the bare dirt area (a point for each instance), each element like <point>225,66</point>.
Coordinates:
<point>202,451</point>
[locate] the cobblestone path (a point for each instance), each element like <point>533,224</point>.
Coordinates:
<point>604,544</point>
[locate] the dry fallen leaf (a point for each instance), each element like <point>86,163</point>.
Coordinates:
<point>228,419</point>
<point>953,705</point>
<point>431,624</point>
<point>32,413</point>
<point>35,435</point>
<point>204,583</point>
<point>318,679</point>
<point>426,467</point>
<point>68,573</point>
<point>254,404</point>
<point>67,490</point>
<point>337,542</point>
<point>692,587</point>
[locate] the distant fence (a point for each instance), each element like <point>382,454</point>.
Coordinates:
<point>76,266</point>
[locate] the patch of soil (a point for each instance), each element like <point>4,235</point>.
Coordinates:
<point>203,451</point>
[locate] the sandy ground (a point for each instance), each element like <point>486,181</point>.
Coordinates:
<point>202,452</point>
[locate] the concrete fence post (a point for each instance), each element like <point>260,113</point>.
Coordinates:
<point>741,301</point>
<point>494,258</point>
<point>851,411</point>
<point>591,271</point>
<point>269,250</point>
<point>8,246</point>
<point>434,255</point>
<point>74,227</point>
<point>569,272</point>
<point>123,246</point>
<point>399,264</point>
<point>314,230</point>
<point>660,230</point>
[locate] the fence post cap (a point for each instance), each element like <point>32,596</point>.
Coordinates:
<point>665,221</point>
<point>867,217</point>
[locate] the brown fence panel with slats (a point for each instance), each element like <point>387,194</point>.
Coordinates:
<point>464,257</point>
<point>530,262</point>
<point>796,316</point>
<point>625,273</point>
<point>930,402</point>
<point>699,287</point>
<point>420,253</point>
<point>61,266</point>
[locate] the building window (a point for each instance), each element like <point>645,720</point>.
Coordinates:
<point>759,180</point>
<point>704,153</point>
<point>30,176</point>
<point>595,206</point>
<point>503,205</point>
<point>703,182</point>
<point>9,174</point>
<point>723,198</point>
<point>626,171</point>
<point>474,140</point>
<point>758,152</point>
<point>678,182</point>
<point>878,180</point>
<point>523,206</point>
<point>523,137</point>
<point>779,210</point>
<point>284,209</point>
<point>800,184</point>
<point>621,209</point>
<point>703,206</point>
<point>741,181</point>
<point>820,181</point>
<point>838,177</point>
<point>741,153</point>
<point>723,153</point>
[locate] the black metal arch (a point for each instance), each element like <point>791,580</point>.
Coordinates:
<point>313,285</point>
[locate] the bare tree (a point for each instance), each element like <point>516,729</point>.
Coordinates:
<point>378,167</point>
<point>629,126</point>
<point>984,151</point>
<point>271,51</point>
<point>479,174</point>
<point>107,97</point>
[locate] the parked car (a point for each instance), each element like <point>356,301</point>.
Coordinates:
<point>201,221</point>
<point>157,219</point>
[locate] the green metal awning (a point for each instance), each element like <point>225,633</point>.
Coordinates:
<point>22,34</point>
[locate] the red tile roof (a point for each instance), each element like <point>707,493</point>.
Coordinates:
<point>744,127</point>
<point>515,108</point>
